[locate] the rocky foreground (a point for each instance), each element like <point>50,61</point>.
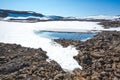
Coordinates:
<point>21,63</point>
<point>99,57</point>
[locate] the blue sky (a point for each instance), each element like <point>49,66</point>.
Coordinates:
<point>65,7</point>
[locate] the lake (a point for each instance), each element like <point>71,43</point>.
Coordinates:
<point>82,36</point>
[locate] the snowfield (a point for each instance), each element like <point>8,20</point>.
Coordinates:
<point>68,26</point>
<point>23,33</point>
<point>105,17</point>
<point>41,18</point>
<point>71,26</point>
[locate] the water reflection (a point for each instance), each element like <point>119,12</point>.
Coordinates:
<point>65,35</point>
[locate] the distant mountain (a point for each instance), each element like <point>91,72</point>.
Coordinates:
<point>12,15</point>
<point>25,15</point>
<point>56,17</point>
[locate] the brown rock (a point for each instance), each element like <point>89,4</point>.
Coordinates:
<point>79,78</point>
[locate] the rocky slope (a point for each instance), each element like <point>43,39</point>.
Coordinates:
<point>99,57</point>
<point>21,63</point>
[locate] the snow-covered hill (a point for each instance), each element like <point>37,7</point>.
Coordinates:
<point>97,17</point>
<point>104,17</point>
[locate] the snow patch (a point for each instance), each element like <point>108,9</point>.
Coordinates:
<point>41,18</point>
<point>22,33</point>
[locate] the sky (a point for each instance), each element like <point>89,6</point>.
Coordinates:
<point>65,7</point>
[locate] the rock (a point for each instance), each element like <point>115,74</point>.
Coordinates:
<point>117,74</point>
<point>79,78</point>
<point>59,77</point>
<point>21,76</point>
<point>77,72</point>
<point>66,43</point>
<point>3,59</point>
<point>97,54</point>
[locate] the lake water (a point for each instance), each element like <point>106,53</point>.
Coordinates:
<point>82,36</point>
